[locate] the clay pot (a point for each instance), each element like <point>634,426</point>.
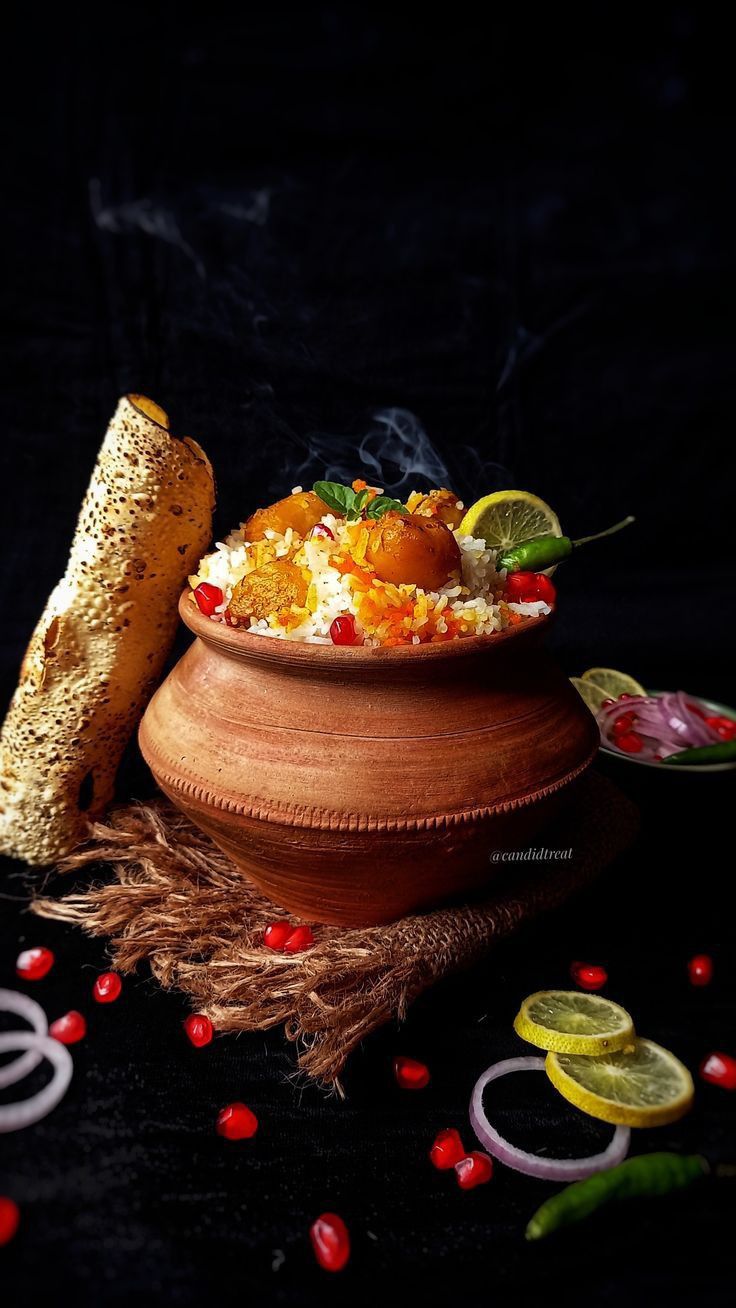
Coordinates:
<point>355,785</point>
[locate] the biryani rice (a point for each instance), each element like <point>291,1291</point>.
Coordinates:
<point>341,583</point>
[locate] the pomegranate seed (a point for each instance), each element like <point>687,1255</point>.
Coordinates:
<point>521,587</point>
<point>474,1170</point>
<point>300,939</point>
<point>208,597</point>
<point>589,976</point>
<point>630,742</point>
<point>199,1030</point>
<point>700,970</point>
<point>343,630</point>
<point>545,590</point>
<point>623,723</point>
<point>447,1150</point>
<point>34,964</point>
<point>321,529</point>
<point>107,988</point>
<point>69,1029</point>
<point>236,1122</point>
<point>607,702</point>
<point>330,1241</point>
<point>411,1074</point>
<point>626,695</point>
<point>9,1219</point>
<point>719,1069</point>
<point>276,935</point>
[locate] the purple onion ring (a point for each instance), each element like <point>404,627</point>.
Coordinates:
<point>547,1169</point>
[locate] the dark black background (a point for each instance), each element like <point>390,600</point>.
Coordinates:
<point>277,222</point>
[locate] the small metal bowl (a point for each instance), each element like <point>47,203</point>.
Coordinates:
<point>720,709</point>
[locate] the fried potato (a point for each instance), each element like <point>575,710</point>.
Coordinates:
<point>270,589</point>
<point>97,652</point>
<point>301,511</point>
<point>413,550</point>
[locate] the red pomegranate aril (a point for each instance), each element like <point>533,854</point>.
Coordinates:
<point>630,742</point>
<point>276,935</point>
<point>9,1219</point>
<point>107,988</point>
<point>623,723</point>
<point>521,587</point>
<point>700,970</point>
<point>447,1150</point>
<point>330,1241</point>
<point>607,703</point>
<point>475,1169</point>
<point>300,939</point>
<point>321,529</point>
<point>589,976</point>
<point>343,630</point>
<point>626,695</point>
<point>719,1069</point>
<point>236,1122</point>
<point>545,589</point>
<point>410,1074</point>
<point>199,1030</point>
<point>69,1029</point>
<point>208,597</point>
<point>34,964</point>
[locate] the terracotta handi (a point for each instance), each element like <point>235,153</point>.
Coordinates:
<point>354,785</point>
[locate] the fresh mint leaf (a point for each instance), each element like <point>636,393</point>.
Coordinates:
<point>384,504</point>
<point>341,499</point>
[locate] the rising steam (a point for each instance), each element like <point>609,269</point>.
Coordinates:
<point>397,454</point>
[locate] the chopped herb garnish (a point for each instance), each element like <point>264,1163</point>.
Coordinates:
<point>350,504</point>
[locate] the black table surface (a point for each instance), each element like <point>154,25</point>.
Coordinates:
<point>279,223</point>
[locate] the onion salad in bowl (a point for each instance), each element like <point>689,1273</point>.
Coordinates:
<point>672,728</point>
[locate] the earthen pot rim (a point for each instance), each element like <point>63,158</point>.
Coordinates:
<point>235,641</point>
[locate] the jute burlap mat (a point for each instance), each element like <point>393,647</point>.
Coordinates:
<point>179,903</point>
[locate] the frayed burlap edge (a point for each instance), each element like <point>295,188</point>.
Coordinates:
<point>178,902</point>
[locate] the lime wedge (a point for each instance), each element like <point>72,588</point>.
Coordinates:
<point>573,1022</point>
<point>509,517</point>
<point>641,1085</point>
<point>614,683</point>
<point>593,695</point>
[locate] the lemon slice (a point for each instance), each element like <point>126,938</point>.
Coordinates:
<point>573,1022</point>
<point>614,683</point>
<point>508,517</point>
<point>593,695</point>
<point>642,1085</point>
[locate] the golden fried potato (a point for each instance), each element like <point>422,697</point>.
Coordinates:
<point>301,512</point>
<point>275,586</point>
<point>443,504</point>
<point>410,549</point>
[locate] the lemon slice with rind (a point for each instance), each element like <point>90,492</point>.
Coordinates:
<point>612,682</point>
<point>574,1022</point>
<point>642,1085</point>
<point>594,696</point>
<point>509,517</point>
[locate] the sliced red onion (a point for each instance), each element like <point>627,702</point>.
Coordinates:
<point>547,1169</point>
<point>665,723</point>
<point>12,1001</point>
<point>13,1117</point>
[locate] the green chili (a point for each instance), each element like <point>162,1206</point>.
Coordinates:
<point>650,1174</point>
<point>723,752</point>
<point>545,551</point>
